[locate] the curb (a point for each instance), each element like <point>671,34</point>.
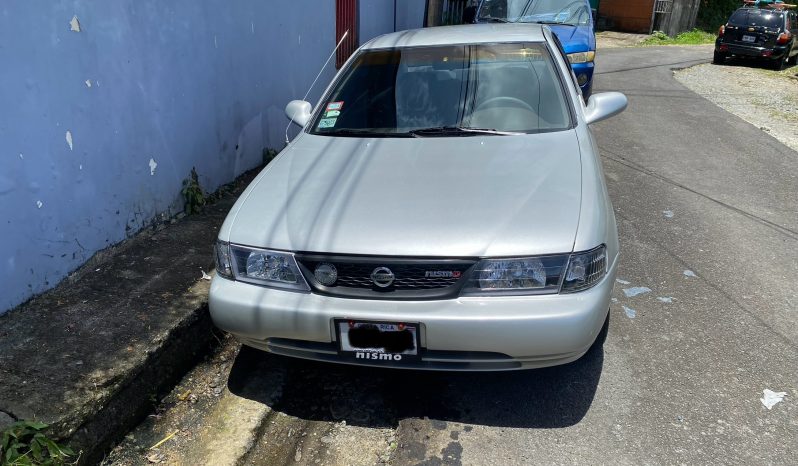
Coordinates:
<point>186,344</point>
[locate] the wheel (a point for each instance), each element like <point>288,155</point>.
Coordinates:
<point>780,63</point>
<point>719,58</point>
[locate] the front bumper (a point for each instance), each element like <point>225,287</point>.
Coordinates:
<point>471,333</point>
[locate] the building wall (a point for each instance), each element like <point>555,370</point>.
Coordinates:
<point>100,126</point>
<point>628,15</point>
<point>381,15</point>
<point>410,14</point>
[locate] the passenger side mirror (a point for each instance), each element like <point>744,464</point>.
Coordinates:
<point>299,112</point>
<point>604,105</point>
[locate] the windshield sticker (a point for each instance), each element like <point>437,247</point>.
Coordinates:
<point>332,113</point>
<point>335,105</point>
<point>327,122</point>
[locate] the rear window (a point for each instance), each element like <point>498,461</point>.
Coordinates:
<point>754,17</point>
<point>512,87</point>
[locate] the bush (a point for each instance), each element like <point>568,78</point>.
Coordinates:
<point>713,13</point>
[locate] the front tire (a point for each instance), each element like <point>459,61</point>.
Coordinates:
<point>719,58</point>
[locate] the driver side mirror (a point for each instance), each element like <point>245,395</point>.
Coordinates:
<point>604,105</point>
<point>299,112</point>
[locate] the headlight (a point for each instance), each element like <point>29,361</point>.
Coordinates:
<point>268,268</point>
<point>224,266</point>
<point>566,273</point>
<point>585,270</point>
<point>523,275</point>
<point>581,57</point>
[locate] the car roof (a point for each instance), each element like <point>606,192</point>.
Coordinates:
<point>762,10</point>
<point>462,34</point>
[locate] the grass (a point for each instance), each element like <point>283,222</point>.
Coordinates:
<point>694,37</point>
<point>789,72</point>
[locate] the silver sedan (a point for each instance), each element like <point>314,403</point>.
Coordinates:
<point>444,207</point>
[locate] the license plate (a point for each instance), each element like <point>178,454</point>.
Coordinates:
<point>749,38</point>
<point>375,341</point>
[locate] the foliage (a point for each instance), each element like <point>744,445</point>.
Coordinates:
<point>713,13</point>
<point>24,443</point>
<point>268,155</point>
<point>694,37</point>
<point>193,193</point>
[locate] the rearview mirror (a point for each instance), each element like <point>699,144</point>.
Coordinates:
<point>299,112</point>
<point>604,105</point>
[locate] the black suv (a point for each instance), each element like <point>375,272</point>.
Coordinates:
<point>759,32</point>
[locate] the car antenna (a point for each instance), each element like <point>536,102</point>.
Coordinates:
<point>317,77</point>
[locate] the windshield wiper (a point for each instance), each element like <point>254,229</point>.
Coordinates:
<point>493,19</point>
<point>456,131</point>
<point>362,132</point>
<point>558,23</point>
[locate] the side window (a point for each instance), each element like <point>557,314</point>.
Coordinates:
<point>565,59</point>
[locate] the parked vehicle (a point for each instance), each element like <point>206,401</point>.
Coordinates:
<point>443,208</point>
<point>765,33</point>
<point>571,20</point>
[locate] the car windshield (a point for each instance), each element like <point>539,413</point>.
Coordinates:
<point>755,17</point>
<point>568,12</point>
<point>446,90</point>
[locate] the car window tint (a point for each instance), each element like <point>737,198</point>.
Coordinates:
<point>754,17</point>
<point>504,87</point>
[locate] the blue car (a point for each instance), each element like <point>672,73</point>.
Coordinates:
<point>571,21</point>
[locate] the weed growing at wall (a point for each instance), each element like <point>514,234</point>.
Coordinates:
<point>269,155</point>
<point>193,194</point>
<point>24,443</point>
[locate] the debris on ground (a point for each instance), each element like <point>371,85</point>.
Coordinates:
<point>771,398</point>
<point>689,273</point>
<point>635,290</point>
<point>630,313</point>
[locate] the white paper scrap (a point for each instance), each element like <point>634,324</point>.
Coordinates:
<point>770,398</point>
<point>636,290</point>
<point>630,313</point>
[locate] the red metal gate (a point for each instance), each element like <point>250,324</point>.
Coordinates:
<point>346,19</point>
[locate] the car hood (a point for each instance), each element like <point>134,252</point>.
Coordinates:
<point>438,197</point>
<point>575,39</point>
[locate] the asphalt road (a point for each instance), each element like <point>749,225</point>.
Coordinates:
<point>707,207</point>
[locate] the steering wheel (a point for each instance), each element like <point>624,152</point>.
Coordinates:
<point>511,100</point>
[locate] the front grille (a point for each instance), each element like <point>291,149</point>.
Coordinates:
<point>413,278</point>
<point>408,277</point>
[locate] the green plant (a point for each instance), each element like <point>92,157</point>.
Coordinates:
<point>694,37</point>
<point>24,443</point>
<point>268,155</point>
<point>658,35</point>
<point>713,13</point>
<point>193,194</point>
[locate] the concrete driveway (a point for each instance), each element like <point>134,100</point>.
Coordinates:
<point>708,215</point>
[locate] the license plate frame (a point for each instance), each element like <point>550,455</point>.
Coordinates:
<point>749,39</point>
<point>377,353</point>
